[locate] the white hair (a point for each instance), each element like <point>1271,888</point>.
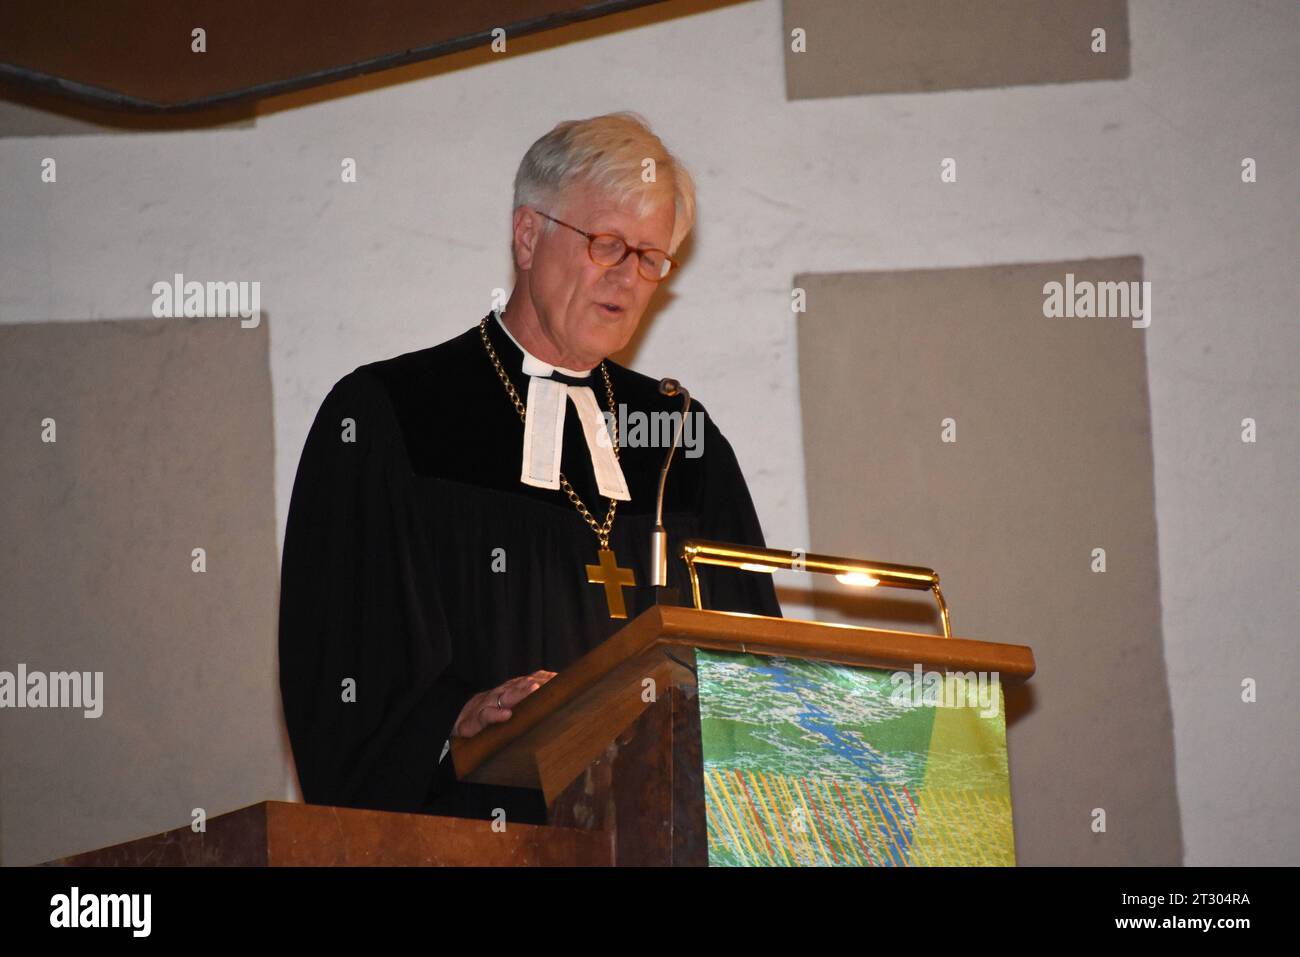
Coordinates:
<point>607,154</point>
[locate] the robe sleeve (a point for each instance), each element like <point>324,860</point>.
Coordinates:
<point>360,609</point>
<point>727,515</point>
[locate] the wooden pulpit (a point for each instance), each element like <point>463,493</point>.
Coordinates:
<point>612,743</point>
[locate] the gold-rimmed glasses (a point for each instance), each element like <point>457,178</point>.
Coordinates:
<point>608,250</point>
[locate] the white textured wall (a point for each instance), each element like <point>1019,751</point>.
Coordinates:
<point>408,257</point>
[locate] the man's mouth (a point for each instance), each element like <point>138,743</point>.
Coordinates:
<point>611,308</point>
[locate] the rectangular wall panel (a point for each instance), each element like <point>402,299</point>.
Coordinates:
<point>1051,460</point>
<point>853,47</point>
<point>164,445</point>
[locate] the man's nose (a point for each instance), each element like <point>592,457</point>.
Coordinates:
<point>625,273</point>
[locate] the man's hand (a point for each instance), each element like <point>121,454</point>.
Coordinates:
<point>495,705</point>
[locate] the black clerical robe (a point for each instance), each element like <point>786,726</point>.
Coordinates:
<point>392,568</point>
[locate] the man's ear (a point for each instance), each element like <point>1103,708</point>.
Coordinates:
<point>526,234</point>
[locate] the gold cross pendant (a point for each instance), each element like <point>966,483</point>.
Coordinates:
<point>614,579</point>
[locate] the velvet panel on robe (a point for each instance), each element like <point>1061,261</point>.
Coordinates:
<point>418,570</point>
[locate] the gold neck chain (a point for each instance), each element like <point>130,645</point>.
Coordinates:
<point>601,530</point>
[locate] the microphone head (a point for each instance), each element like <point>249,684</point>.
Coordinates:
<point>669,387</point>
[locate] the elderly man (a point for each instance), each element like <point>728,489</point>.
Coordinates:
<point>446,509</point>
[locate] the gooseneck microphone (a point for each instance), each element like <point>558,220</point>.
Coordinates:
<point>659,536</point>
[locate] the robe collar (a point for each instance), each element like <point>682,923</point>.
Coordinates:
<point>548,400</point>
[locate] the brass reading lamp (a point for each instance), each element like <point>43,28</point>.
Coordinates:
<point>848,571</point>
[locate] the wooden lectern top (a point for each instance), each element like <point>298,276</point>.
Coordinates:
<point>561,728</point>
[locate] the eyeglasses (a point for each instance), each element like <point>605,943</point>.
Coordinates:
<point>608,250</point>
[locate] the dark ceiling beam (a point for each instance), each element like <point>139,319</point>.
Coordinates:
<point>136,56</point>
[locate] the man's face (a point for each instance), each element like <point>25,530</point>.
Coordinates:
<point>570,292</point>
